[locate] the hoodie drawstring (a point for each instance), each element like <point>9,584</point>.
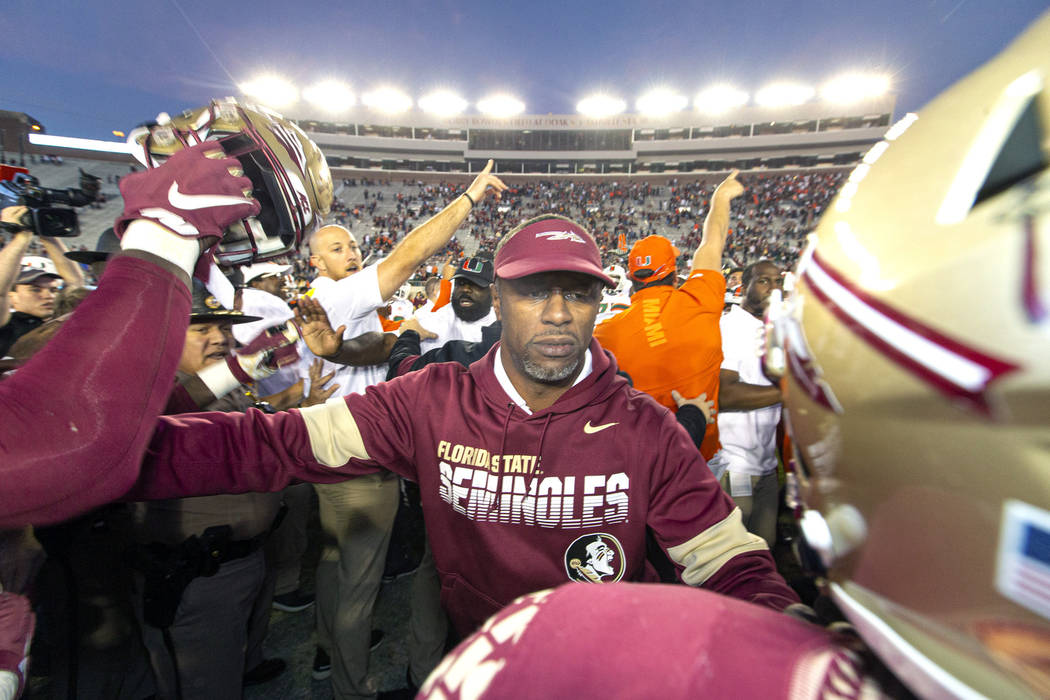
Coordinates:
<point>543,435</point>
<point>502,452</point>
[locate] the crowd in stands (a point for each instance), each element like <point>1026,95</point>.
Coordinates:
<point>772,223</point>
<point>780,210</point>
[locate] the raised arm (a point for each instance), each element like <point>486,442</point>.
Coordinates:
<point>68,270</point>
<point>59,458</point>
<point>427,239</point>
<point>11,257</point>
<point>709,254</point>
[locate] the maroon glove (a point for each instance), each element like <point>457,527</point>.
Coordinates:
<point>192,194</point>
<point>16,631</point>
<point>272,349</point>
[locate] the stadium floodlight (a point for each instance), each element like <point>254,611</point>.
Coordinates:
<point>783,95</point>
<point>501,105</point>
<point>443,103</point>
<point>270,90</point>
<point>660,102</point>
<point>330,95</point>
<point>854,87</point>
<point>387,100</point>
<point>600,106</point>
<point>720,98</point>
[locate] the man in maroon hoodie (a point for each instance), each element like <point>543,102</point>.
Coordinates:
<point>536,465</point>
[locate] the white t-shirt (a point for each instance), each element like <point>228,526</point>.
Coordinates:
<point>748,437</point>
<point>352,301</point>
<point>448,326</point>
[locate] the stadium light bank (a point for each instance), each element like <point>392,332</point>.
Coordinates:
<point>335,96</point>
<point>330,96</point>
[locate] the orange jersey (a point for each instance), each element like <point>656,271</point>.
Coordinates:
<point>670,339</point>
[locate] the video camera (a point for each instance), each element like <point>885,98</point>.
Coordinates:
<point>43,217</point>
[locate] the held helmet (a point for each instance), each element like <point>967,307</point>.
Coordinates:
<point>289,174</point>
<point>916,355</point>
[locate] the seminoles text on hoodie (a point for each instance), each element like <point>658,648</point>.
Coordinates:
<point>513,489</point>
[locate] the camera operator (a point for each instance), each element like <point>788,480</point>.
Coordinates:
<point>30,292</point>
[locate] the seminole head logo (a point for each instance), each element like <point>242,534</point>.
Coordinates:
<point>595,558</point>
<point>560,236</point>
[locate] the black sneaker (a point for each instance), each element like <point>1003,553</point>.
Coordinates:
<point>322,665</point>
<point>296,601</point>
<point>267,670</point>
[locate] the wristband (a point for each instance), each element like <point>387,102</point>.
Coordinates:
<point>220,378</point>
<point>470,199</point>
<point>151,237</point>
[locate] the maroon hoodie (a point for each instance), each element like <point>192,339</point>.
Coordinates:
<point>514,502</point>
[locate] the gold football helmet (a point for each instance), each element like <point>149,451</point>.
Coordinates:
<point>915,348</point>
<point>289,173</point>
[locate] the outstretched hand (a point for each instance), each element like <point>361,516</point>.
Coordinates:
<point>730,188</point>
<point>484,183</point>
<point>315,328</point>
<point>706,407</point>
<point>319,393</point>
<point>449,268</point>
<point>412,324</point>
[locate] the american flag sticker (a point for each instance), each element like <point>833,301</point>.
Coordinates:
<point>1023,571</point>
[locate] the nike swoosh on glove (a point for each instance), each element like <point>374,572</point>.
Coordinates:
<point>272,349</point>
<point>193,194</point>
<point>16,631</point>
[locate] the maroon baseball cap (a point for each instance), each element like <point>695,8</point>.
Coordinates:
<point>550,244</point>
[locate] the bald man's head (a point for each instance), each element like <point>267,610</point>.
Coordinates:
<point>334,252</point>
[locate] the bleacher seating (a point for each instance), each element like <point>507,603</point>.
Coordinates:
<point>770,221</point>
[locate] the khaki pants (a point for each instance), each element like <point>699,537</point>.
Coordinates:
<point>357,516</point>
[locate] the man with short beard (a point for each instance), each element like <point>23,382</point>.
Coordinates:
<point>470,310</point>
<point>528,454</point>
